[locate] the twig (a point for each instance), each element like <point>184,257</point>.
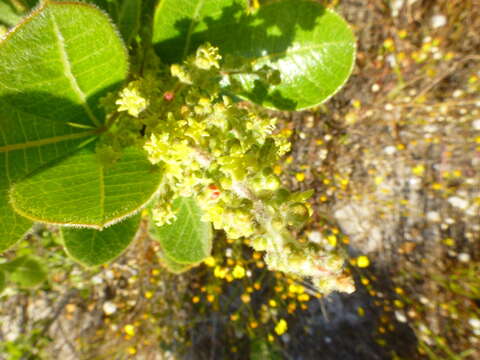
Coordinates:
<point>63,302</point>
<point>445,74</point>
<point>67,341</point>
<point>24,314</point>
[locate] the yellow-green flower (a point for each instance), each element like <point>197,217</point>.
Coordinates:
<point>129,329</point>
<point>210,261</point>
<point>363,261</point>
<point>281,327</point>
<point>131,101</point>
<point>220,272</point>
<point>238,272</point>
<point>207,56</point>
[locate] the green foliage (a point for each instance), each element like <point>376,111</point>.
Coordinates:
<point>261,350</point>
<point>94,194</point>
<point>26,271</point>
<point>311,47</point>
<point>2,281</point>
<point>92,247</point>
<point>49,94</point>
<point>175,267</point>
<point>74,150</point>
<point>125,14</point>
<point>9,15</point>
<point>180,26</point>
<point>26,346</point>
<point>129,19</point>
<point>186,240</point>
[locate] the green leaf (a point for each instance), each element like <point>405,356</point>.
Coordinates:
<point>64,51</point>
<point>81,190</point>
<point>187,240</point>
<point>9,16</point>
<point>180,26</point>
<point>313,48</point>
<point>175,267</point>
<point>30,3</point>
<point>2,281</point>
<point>12,226</point>
<point>109,6</point>
<point>27,271</point>
<point>125,14</point>
<point>92,247</point>
<point>129,19</point>
<point>262,350</point>
<point>53,69</point>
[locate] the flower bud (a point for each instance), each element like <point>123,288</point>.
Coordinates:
<point>297,214</point>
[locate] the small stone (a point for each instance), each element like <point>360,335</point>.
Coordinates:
<point>457,93</point>
<point>97,280</point>
<point>458,202</point>
<point>464,257</point>
<point>438,21</point>
<point>415,183</point>
<point>396,7</point>
<point>391,60</point>
<point>424,300</point>
<point>472,211</point>
<point>400,316</point>
<point>390,150</point>
<point>476,124</point>
<point>315,237</point>
<point>431,128</point>
<point>433,216</point>
<point>475,324</point>
<point>109,308</point>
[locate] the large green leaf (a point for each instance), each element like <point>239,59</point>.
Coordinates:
<point>188,239</point>
<point>175,267</point>
<point>8,14</point>
<point>261,350</point>
<point>129,19</point>
<point>124,13</point>
<point>180,26</point>
<point>27,271</point>
<point>53,69</point>
<point>2,281</point>
<point>312,47</point>
<point>81,190</point>
<point>92,247</point>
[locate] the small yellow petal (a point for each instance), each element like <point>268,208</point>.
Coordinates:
<point>238,272</point>
<point>209,261</point>
<point>129,329</point>
<point>281,327</point>
<point>363,261</point>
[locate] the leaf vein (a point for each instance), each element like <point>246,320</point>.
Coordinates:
<point>68,71</point>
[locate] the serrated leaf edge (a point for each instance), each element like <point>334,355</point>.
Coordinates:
<point>87,266</point>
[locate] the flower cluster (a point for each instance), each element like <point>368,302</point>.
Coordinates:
<point>223,153</point>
